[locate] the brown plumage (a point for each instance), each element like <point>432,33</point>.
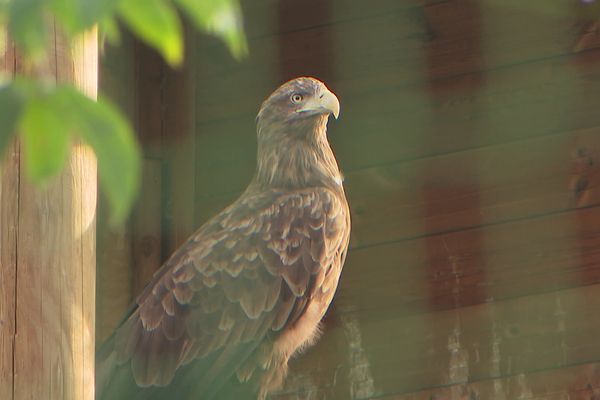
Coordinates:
<point>225,313</point>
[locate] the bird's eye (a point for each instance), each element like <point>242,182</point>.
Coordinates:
<point>296,98</point>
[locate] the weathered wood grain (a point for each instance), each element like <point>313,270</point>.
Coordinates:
<point>579,382</point>
<point>55,250</point>
<point>520,102</point>
<point>471,110</point>
<point>575,382</point>
<point>502,338</point>
<point>396,47</point>
<point>9,214</point>
<point>503,341</point>
<point>478,187</point>
<point>445,270</point>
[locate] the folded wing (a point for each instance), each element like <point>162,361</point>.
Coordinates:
<point>246,275</point>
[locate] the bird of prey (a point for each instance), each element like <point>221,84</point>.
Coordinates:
<point>224,314</point>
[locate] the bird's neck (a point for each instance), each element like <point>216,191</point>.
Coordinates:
<point>297,158</point>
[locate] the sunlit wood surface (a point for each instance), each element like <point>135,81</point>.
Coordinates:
<point>470,139</point>
<point>48,247</point>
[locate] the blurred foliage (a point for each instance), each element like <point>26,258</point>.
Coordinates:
<point>49,116</point>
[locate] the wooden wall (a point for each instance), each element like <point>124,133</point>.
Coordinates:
<point>470,139</point>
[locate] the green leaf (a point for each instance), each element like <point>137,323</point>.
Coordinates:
<point>11,105</point>
<point>109,31</point>
<point>26,26</point>
<point>49,120</point>
<point>78,15</point>
<point>156,22</point>
<point>101,126</point>
<point>222,18</point>
<point>45,133</point>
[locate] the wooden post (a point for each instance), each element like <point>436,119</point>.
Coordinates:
<point>48,257</point>
<point>9,183</point>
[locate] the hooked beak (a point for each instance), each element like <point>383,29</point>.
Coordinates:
<point>325,102</point>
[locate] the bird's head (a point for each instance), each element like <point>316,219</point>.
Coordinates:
<point>301,102</point>
<point>293,150</point>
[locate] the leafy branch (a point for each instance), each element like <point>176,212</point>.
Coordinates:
<point>49,116</point>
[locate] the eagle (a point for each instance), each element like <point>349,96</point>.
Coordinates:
<point>224,314</point>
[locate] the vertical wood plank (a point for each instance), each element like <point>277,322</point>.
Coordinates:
<point>149,89</point>
<point>84,74</point>
<point>146,224</point>
<point>164,217</point>
<point>179,147</point>
<point>9,212</point>
<point>114,258</point>
<point>55,253</point>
